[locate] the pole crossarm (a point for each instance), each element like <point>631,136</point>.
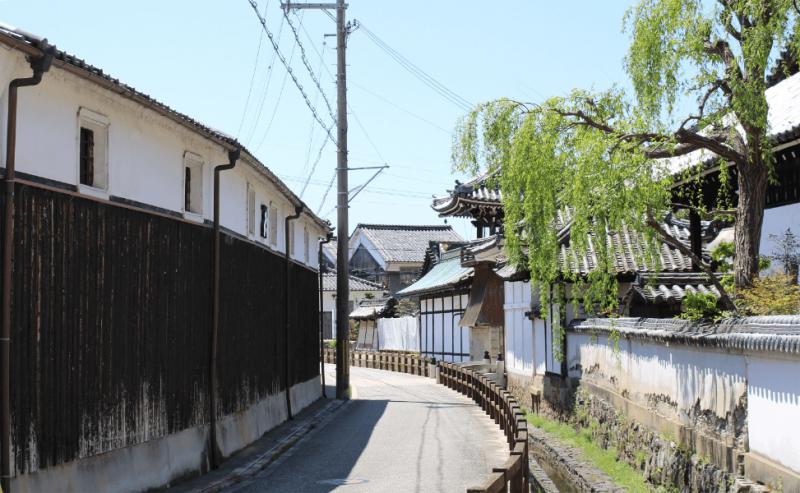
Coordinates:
<point>318,6</point>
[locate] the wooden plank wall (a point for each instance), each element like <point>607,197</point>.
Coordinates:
<point>111,326</point>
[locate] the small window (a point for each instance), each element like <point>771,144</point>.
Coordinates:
<point>264,230</point>
<point>192,183</point>
<point>273,225</point>
<point>92,149</point>
<point>251,210</point>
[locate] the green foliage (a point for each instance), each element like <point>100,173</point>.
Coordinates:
<point>588,156</point>
<point>369,296</point>
<point>776,294</point>
<point>604,459</point>
<point>700,306</point>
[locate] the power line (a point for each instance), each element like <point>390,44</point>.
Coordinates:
<point>325,196</point>
<point>311,73</point>
<point>288,68</point>
<point>313,127</point>
<point>277,104</point>
<point>252,77</point>
<point>389,102</point>
<point>418,72</point>
<point>264,93</point>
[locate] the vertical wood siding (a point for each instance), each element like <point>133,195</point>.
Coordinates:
<point>111,326</point>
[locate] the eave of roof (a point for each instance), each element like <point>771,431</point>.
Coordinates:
<point>445,275</point>
<point>29,44</point>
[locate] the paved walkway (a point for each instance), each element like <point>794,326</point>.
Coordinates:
<point>398,433</point>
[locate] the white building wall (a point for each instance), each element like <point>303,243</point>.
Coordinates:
<point>440,334</point>
<point>773,409</point>
<point>145,153</point>
<point>683,380</point>
<point>519,336</point>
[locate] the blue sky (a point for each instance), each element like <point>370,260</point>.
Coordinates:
<point>199,57</point>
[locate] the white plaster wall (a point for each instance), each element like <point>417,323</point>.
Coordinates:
<point>686,375</point>
<point>519,338</point>
<point>329,301</point>
<point>145,151</point>
<point>441,332</point>
<point>773,409</point>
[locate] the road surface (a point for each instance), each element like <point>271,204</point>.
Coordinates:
<point>399,433</point>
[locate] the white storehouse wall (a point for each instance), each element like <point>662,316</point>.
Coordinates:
<point>145,153</point>
<point>440,334</point>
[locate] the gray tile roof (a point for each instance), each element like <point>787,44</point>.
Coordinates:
<point>628,247</point>
<point>671,288</point>
<point>401,243</point>
<point>356,283</point>
<point>780,334</point>
<point>31,44</point>
<point>476,192</point>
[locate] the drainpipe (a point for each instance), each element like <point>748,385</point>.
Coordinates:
<point>214,455</point>
<point>298,209</point>
<point>39,65</point>
<point>322,241</point>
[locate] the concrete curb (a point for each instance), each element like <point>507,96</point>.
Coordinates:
<point>267,457</point>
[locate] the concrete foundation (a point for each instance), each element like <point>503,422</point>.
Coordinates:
<point>157,463</point>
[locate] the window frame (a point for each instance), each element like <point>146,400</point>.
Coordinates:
<point>94,121</point>
<point>264,223</point>
<point>250,207</point>
<point>193,160</point>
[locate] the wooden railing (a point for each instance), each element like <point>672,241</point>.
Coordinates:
<point>384,360</point>
<point>503,408</point>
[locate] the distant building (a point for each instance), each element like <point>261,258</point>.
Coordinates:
<point>360,289</point>
<point>393,255</point>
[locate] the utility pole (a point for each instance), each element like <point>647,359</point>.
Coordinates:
<point>342,226</point>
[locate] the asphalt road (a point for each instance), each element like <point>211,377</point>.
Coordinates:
<point>400,433</point>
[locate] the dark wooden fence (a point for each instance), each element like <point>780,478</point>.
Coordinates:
<point>385,360</point>
<point>111,326</point>
<point>502,407</point>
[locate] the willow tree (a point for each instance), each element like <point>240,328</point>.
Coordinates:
<point>610,157</point>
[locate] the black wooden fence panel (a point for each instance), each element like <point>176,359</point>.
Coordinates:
<point>111,326</point>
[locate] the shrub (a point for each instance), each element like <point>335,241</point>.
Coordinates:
<point>776,294</point>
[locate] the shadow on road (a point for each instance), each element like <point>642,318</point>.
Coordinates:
<point>323,461</point>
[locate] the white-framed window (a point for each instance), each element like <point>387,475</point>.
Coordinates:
<point>92,151</point>
<point>192,183</point>
<point>273,225</point>
<point>251,210</point>
<point>263,230</point>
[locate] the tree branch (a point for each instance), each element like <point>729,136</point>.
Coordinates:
<point>725,299</point>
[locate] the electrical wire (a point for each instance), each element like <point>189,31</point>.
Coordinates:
<point>417,72</point>
<point>311,73</point>
<point>351,82</point>
<point>288,68</point>
<point>264,93</point>
<point>253,76</point>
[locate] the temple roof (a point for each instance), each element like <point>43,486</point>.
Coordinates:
<point>466,199</point>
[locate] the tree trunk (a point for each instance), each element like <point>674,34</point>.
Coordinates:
<point>752,182</point>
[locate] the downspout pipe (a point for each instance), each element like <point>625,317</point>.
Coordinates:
<point>321,267</point>
<point>298,209</point>
<point>213,384</point>
<point>40,65</point>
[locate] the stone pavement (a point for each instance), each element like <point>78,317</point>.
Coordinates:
<point>399,433</point>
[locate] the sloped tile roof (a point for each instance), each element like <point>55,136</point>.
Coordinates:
<point>628,248</point>
<point>779,334</point>
<point>445,274</point>
<point>671,288</point>
<point>356,283</point>
<point>375,308</point>
<point>476,192</point>
<point>400,243</point>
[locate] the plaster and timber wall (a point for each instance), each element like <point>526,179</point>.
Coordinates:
<point>111,310</point>
<point>726,392</point>
<point>111,322</point>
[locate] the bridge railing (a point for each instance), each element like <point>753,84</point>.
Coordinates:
<point>512,476</point>
<point>385,360</point>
